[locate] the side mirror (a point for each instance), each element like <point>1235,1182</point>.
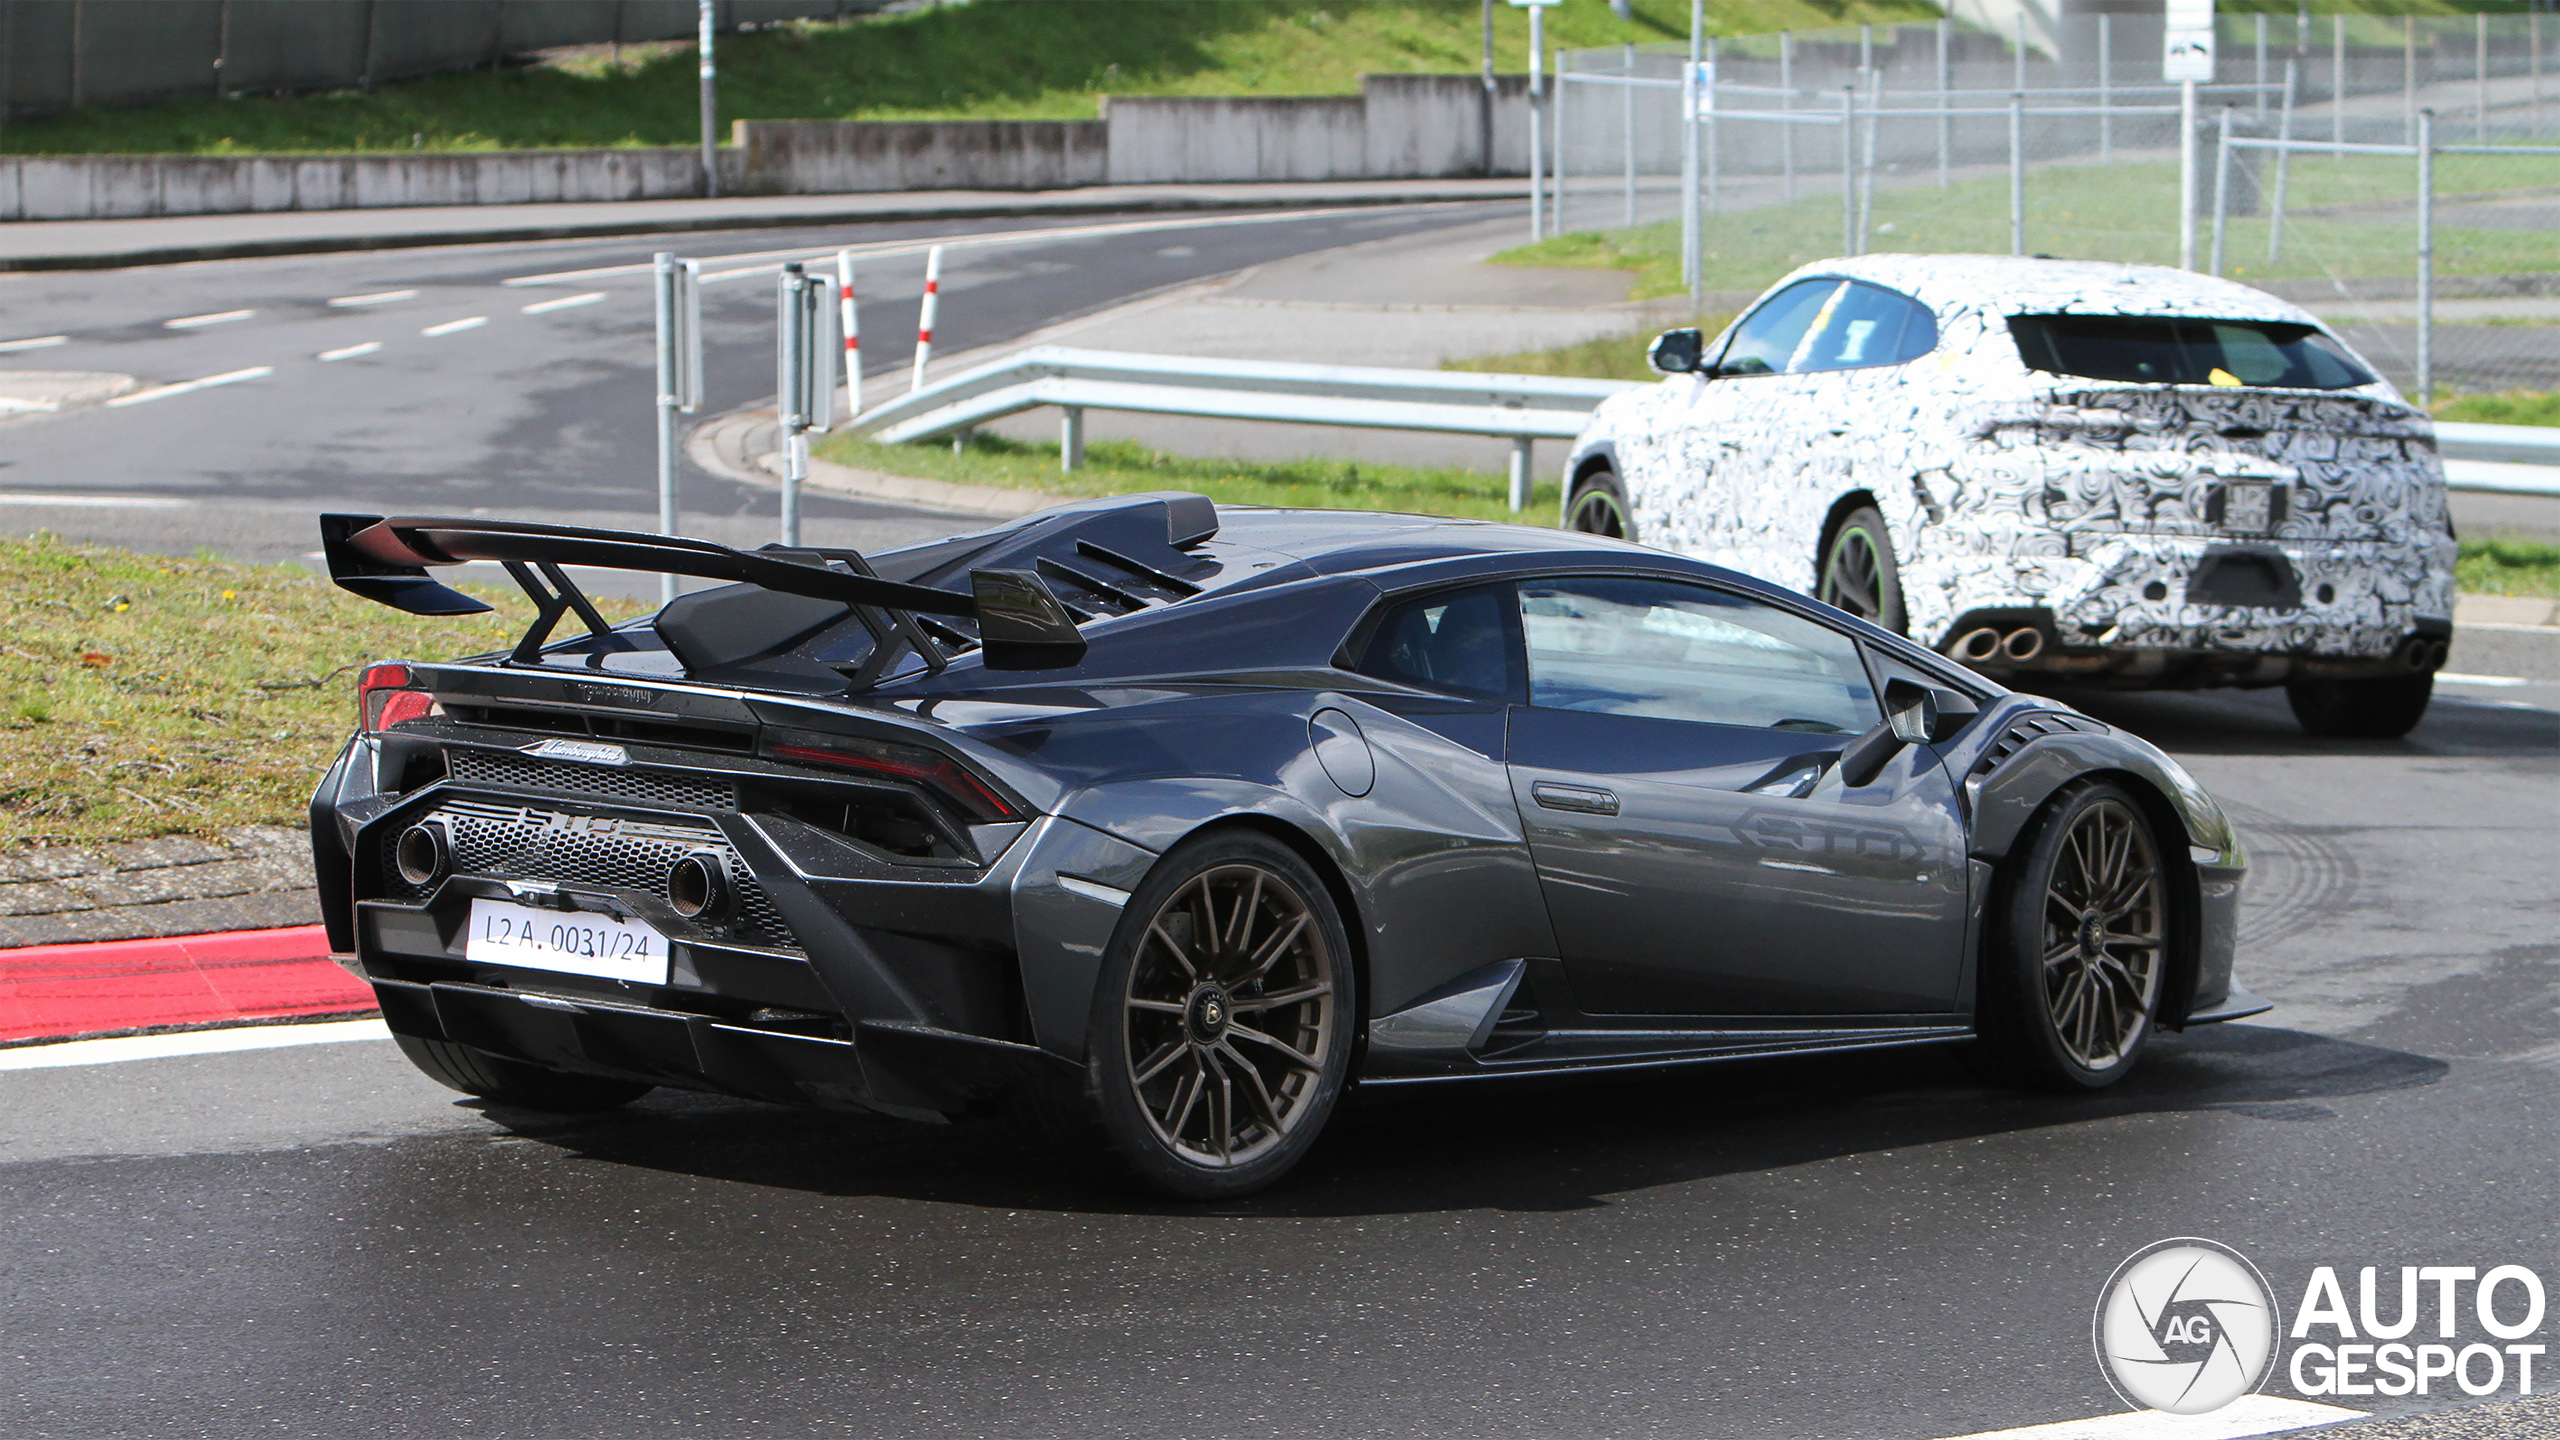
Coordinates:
<point>1925,714</point>
<point>1677,352</point>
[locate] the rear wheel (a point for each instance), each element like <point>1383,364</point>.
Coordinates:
<point>1858,571</point>
<point>1599,507</point>
<point>513,1082</point>
<point>1222,1031</point>
<point>2382,708</point>
<point>2071,985</point>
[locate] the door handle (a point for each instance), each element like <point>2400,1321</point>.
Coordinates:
<point>1582,799</point>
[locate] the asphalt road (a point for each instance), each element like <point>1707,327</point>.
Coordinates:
<point>317,1241</point>
<point>539,404</point>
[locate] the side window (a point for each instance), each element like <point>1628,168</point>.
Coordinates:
<point>1630,646</point>
<point>1864,325</point>
<point>1454,640</point>
<point>1767,337</point>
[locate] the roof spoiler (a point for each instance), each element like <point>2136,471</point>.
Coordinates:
<point>386,561</point>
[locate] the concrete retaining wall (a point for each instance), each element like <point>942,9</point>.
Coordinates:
<point>1399,127</point>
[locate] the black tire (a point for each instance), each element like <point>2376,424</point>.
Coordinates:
<point>1599,506</point>
<point>513,1082</point>
<point>1141,1058</point>
<point>2079,950</point>
<point>1857,572</point>
<point>2383,708</point>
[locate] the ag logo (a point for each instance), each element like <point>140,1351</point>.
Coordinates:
<point>2186,1326</point>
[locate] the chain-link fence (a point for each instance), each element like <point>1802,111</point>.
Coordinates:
<point>1940,138</point>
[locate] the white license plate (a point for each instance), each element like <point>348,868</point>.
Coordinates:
<point>571,943</point>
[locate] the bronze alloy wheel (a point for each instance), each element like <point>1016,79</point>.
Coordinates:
<point>1858,573</point>
<point>2105,934</point>
<point>1232,1006</point>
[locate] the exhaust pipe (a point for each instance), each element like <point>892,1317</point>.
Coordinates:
<point>2023,644</point>
<point>1977,645</point>
<point>422,853</point>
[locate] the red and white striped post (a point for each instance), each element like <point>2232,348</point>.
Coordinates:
<point>924,326</point>
<point>852,332</point>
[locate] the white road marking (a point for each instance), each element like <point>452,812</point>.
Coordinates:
<point>450,326</point>
<point>991,237</point>
<point>103,502</point>
<point>40,342</point>
<point>163,392</point>
<point>2450,678</point>
<point>351,351</point>
<point>189,1042</point>
<point>2248,1415</point>
<point>198,322</point>
<point>2513,629</point>
<point>545,307</point>
<point>379,297</point>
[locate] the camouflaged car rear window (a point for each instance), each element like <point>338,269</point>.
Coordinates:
<point>2178,350</point>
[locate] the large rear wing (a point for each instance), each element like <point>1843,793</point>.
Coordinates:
<point>1021,624</point>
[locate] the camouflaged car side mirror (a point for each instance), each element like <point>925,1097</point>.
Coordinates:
<point>1677,352</point>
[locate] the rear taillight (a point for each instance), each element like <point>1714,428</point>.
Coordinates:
<point>385,697</point>
<point>938,773</point>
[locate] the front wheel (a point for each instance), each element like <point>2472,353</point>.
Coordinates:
<point>2071,981</point>
<point>1599,507</point>
<point>1858,572</point>
<point>1221,1033</point>
<point>2382,708</point>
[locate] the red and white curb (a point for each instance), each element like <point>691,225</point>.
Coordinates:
<point>114,987</point>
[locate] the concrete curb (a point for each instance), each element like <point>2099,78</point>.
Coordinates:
<point>744,446</point>
<point>975,209</point>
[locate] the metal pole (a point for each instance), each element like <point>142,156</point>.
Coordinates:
<point>2426,257</point>
<point>2261,75</point>
<point>924,322</point>
<point>2409,77</point>
<point>665,277</point>
<point>1848,170</point>
<point>1070,438</point>
<point>2106,88</point>
<point>2284,162</point>
<point>1558,166</point>
<point>791,347</point>
<point>1692,270</point>
<point>705,21</point>
<point>851,319</point>
<point>1537,123</point>
<point>2338,83</point>
<point>221,49</point>
<point>1711,141</point>
<point>2533,42</point>
<point>1787,104</point>
<point>1485,115</point>
<point>1946,123</point>
<point>2017,174</point>
<point>2480,79</point>
<point>1520,460</point>
<point>2221,181</point>
<point>1627,105</point>
<point>2018,62</point>
<point>2186,174</point>
<point>1867,159</point>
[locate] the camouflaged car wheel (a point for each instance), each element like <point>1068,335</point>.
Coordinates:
<point>2383,708</point>
<point>1858,573</point>
<point>1599,506</point>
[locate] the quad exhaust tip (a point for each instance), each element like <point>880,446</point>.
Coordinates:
<point>2024,643</point>
<point>2427,654</point>
<point>1977,644</point>
<point>1984,643</point>
<point>699,886</point>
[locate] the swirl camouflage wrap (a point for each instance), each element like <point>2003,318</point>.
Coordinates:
<point>2148,533</point>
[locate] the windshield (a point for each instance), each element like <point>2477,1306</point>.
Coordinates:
<point>2167,350</point>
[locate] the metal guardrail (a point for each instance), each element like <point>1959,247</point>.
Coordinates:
<point>1523,409</point>
<point>2489,459</point>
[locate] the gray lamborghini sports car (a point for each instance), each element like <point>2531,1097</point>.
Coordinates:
<point>1172,822</point>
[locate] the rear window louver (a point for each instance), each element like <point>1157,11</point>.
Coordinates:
<point>2027,729</point>
<point>1093,583</point>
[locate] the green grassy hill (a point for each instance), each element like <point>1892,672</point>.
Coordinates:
<point>995,59</point>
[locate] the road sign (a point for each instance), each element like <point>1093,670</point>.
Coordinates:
<point>2186,46</point>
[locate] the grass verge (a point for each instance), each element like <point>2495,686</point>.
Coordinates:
<point>1611,357</point>
<point>2339,226</point>
<point>2503,407</point>
<point>142,696</point>
<point>992,60</point>
<point>2508,567</point>
<point>1120,467</point>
